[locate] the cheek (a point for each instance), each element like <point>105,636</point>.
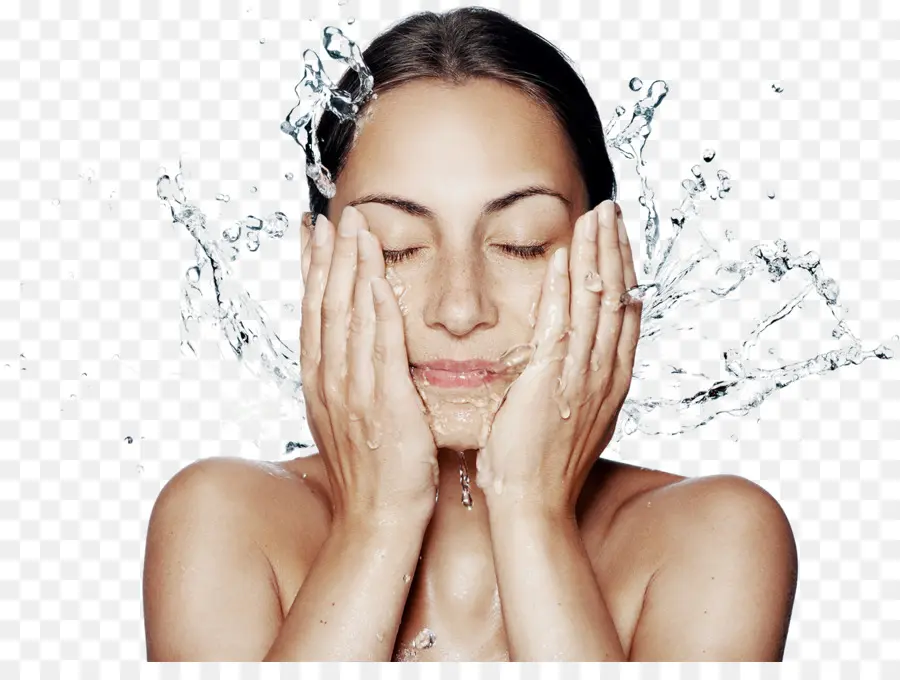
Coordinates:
<point>518,298</point>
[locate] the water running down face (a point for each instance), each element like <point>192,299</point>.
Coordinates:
<point>436,170</point>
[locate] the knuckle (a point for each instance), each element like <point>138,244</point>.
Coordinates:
<point>380,353</point>
<point>357,324</point>
<point>332,311</point>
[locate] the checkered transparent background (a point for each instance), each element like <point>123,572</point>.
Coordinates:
<point>96,96</point>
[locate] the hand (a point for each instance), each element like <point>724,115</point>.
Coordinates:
<point>560,413</point>
<point>364,412</point>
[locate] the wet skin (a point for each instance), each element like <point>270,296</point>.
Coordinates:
<point>688,568</point>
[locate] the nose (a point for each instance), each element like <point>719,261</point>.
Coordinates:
<point>461,301</point>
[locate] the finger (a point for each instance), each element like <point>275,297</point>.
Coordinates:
<point>338,301</point>
<point>313,293</point>
<point>372,265</point>
<point>585,307</point>
<point>306,233</point>
<point>305,259</point>
<point>390,358</point>
<point>319,254</point>
<point>606,341</point>
<point>553,311</point>
<point>631,322</point>
<point>361,341</point>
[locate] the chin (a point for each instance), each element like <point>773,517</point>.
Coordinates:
<point>457,427</point>
<point>456,441</point>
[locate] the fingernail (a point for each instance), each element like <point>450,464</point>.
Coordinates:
<point>378,291</point>
<point>347,226</point>
<point>320,235</point>
<point>609,216</point>
<point>623,234</point>
<point>365,244</point>
<point>590,229</point>
<point>560,260</point>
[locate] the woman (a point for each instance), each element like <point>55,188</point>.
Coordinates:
<point>473,215</point>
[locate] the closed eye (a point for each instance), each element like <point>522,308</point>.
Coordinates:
<point>522,252</point>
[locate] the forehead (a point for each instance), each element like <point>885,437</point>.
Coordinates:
<point>447,143</point>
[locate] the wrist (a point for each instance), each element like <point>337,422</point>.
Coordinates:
<point>385,521</point>
<point>523,506</point>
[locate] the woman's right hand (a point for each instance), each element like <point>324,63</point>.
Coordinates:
<point>364,412</point>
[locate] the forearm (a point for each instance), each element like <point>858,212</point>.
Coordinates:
<point>553,608</point>
<point>350,605</point>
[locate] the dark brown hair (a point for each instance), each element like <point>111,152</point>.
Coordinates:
<point>467,43</point>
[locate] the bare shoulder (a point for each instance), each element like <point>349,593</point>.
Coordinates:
<point>668,510</point>
<point>211,590</point>
<point>708,547</point>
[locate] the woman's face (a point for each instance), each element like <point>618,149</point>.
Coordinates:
<point>430,170</point>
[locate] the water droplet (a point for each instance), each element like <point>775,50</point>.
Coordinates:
<point>592,282</point>
<point>777,87</point>
<point>734,437</point>
<point>129,440</point>
<point>351,20</point>
<point>379,637</point>
<point>708,155</point>
<point>635,84</point>
<point>253,190</point>
<point>464,480</point>
<point>84,375</point>
<point>620,110</point>
<point>289,175</point>
<point>192,274</point>
<point>425,639</point>
<point>276,224</point>
<point>55,201</point>
<point>696,171</point>
<point>771,194</point>
<point>729,234</point>
<point>88,174</point>
<point>262,41</point>
<point>407,578</point>
<point>883,352</point>
<point>223,197</point>
<point>140,469</point>
<point>288,307</point>
<point>252,241</point>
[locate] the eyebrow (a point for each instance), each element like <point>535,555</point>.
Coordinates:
<point>491,207</point>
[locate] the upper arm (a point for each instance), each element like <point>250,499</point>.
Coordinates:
<point>725,588</point>
<point>209,592</point>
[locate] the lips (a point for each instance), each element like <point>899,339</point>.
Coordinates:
<point>450,374</point>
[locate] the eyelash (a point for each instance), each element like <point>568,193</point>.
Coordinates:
<point>522,252</point>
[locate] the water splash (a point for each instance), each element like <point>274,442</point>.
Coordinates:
<point>317,94</point>
<point>683,271</point>
<point>209,291</point>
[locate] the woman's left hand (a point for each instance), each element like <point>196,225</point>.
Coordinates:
<point>560,413</point>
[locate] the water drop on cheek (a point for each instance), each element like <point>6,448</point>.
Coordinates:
<point>532,315</point>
